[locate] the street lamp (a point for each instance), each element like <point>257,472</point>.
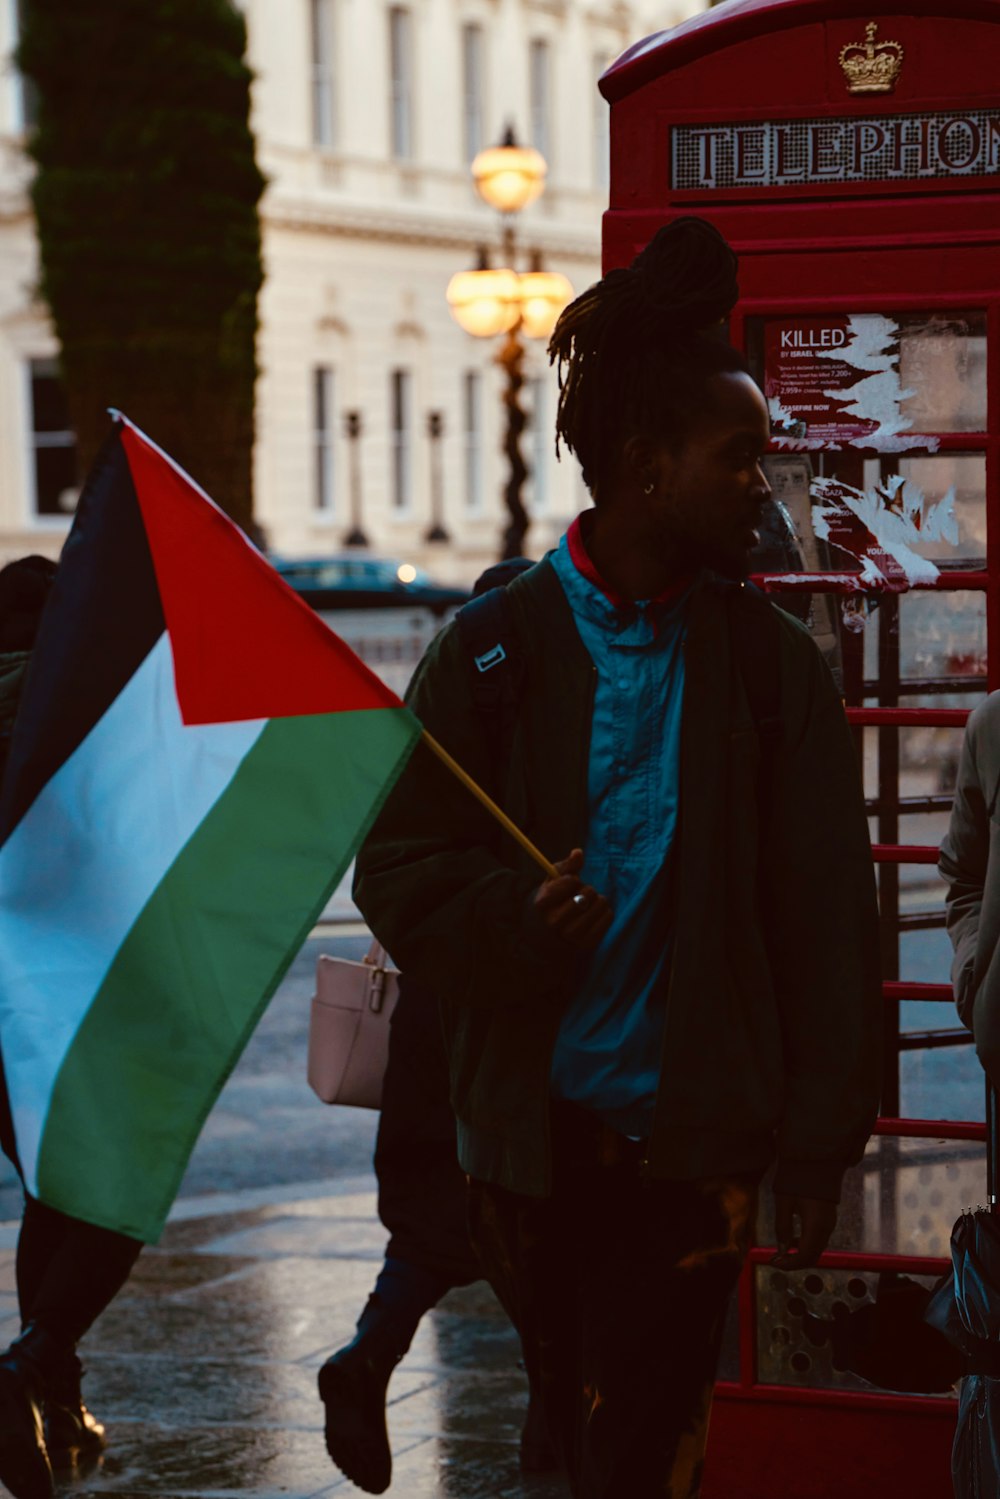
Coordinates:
<point>488,302</point>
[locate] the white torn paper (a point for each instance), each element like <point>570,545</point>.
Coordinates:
<point>880,528</point>
<point>873,348</point>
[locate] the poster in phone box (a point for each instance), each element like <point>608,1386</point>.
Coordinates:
<point>809,382</point>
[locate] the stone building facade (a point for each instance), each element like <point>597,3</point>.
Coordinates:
<point>367,115</point>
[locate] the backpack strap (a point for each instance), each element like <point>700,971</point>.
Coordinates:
<point>496,667</point>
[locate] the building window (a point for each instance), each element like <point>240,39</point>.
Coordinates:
<point>401,82</point>
<point>53,441</point>
<point>25,91</point>
<point>322,40</point>
<point>473,81</point>
<point>472,432</point>
<point>401,400</point>
<point>324,418</point>
<point>540,444</point>
<point>602,130</point>
<point>540,96</point>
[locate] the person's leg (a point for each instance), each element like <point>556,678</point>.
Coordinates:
<point>525,1247</point>
<point>68,1271</point>
<point>67,1274</point>
<point>422,1205</point>
<point>659,1261</point>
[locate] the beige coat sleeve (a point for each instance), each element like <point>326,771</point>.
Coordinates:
<point>972,878</point>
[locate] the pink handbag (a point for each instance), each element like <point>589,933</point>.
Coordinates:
<point>349,1028</point>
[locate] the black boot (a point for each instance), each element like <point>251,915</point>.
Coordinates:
<point>352,1387</point>
<point>25,1469</point>
<point>73,1436</point>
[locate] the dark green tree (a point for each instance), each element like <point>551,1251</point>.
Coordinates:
<point>146,198</point>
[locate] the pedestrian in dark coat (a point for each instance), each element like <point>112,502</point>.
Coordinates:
<point>68,1271</point>
<point>633,1042</point>
<point>422,1203</point>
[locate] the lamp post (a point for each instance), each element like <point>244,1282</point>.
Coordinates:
<point>487,303</point>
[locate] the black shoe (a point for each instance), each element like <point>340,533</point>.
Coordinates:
<point>352,1387</point>
<point>25,1469</point>
<point>73,1435</point>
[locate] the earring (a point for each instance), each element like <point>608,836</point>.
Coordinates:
<point>648,488</point>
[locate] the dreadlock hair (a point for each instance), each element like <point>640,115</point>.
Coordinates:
<point>635,350</point>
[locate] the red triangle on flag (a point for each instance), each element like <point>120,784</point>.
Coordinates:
<point>244,644</point>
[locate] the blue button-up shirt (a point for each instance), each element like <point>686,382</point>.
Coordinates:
<point>608,1051</point>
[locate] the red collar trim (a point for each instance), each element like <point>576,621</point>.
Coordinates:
<point>580,558</point>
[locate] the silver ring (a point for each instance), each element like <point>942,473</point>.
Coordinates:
<point>579,900</point>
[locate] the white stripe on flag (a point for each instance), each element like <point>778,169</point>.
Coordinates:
<point>83,861</point>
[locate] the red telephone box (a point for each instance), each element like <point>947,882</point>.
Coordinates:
<point>851,155</point>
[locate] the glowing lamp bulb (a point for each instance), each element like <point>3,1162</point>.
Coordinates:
<point>509,177</point>
<point>485,302</point>
<point>544,294</point>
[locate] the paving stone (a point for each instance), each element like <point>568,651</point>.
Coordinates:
<point>444,1468</point>
<point>150,1458</point>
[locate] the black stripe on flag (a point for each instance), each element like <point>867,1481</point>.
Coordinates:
<point>102,620</point>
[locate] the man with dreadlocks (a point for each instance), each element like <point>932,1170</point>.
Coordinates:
<point>632,1043</point>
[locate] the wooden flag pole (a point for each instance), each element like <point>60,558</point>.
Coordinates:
<point>490,805</point>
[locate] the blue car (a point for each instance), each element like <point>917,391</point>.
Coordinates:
<point>350,581</point>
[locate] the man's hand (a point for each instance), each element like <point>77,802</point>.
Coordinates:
<point>572,910</point>
<point>817,1220</point>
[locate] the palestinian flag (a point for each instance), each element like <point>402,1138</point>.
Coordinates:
<point>196,760</point>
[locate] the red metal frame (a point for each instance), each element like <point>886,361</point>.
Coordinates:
<point>832,249</point>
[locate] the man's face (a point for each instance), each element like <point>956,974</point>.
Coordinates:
<point>711,490</point>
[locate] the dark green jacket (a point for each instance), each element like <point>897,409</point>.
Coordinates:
<point>773,1010</point>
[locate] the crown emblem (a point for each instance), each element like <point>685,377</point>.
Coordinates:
<point>871,68</point>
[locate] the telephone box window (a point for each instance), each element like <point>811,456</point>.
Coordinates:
<point>53,441</point>
<point>942,359</point>
<point>958,478</point>
<point>868,380</point>
<point>941,637</point>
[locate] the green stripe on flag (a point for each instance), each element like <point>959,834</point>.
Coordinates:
<point>192,978</point>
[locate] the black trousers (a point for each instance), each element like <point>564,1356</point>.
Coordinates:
<point>68,1271</point>
<point>421,1189</point>
<point>618,1286</point>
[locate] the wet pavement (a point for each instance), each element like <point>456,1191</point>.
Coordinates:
<point>204,1368</point>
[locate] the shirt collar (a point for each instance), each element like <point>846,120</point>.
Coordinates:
<point>584,565</point>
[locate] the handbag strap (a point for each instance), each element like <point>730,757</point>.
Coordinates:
<point>377,955</point>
